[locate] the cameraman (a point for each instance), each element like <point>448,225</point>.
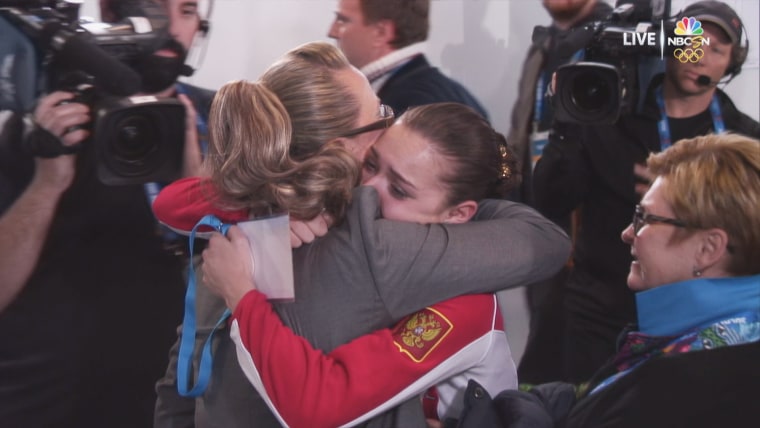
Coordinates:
<point>531,119</point>
<point>599,170</point>
<point>89,295</point>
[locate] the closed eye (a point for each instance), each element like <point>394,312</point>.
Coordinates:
<point>398,192</point>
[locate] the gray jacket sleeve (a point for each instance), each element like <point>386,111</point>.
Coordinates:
<point>173,410</point>
<point>506,245</point>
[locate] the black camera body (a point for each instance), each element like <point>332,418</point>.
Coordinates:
<point>622,54</point>
<point>46,47</point>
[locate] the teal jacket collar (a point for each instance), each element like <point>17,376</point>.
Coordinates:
<point>672,309</point>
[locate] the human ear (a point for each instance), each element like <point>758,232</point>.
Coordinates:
<point>461,213</point>
<point>386,31</point>
<point>713,248</point>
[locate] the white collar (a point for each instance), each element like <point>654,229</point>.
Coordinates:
<point>381,66</point>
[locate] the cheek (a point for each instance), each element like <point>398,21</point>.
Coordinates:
<point>185,34</point>
<point>661,267</point>
<point>394,209</point>
<point>402,210</point>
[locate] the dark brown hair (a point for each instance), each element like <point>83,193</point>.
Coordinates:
<point>482,164</point>
<point>410,17</point>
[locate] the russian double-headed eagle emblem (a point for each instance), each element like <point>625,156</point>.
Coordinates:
<point>421,333</point>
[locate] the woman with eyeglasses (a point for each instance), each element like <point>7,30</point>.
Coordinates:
<point>367,272</point>
<point>430,167</point>
<point>692,360</point>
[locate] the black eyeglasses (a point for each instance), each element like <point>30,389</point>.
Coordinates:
<point>640,218</point>
<point>386,119</point>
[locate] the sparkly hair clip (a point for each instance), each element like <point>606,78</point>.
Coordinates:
<point>505,172</point>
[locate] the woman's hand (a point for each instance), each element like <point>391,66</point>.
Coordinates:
<point>304,232</point>
<point>228,266</point>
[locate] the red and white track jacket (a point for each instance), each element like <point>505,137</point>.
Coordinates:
<point>444,345</point>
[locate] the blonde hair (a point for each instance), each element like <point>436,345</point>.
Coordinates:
<point>250,133</point>
<point>320,107</point>
<point>269,143</point>
<point>714,182</point>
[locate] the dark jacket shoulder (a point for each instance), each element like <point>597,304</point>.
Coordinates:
<point>417,83</point>
<point>709,388</point>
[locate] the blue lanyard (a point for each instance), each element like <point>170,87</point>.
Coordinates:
<point>187,340</point>
<point>538,109</point>
<point>664,128</point>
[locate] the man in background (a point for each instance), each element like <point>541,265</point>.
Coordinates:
<point>90,292</point>
<point>599,169</point>
<point>384,39</point>
<point>532,117</point>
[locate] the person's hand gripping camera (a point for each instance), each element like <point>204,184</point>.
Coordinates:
<point>60,121</point>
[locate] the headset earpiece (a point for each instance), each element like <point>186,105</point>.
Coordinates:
<point>204,27</point>
<point>739,56</point>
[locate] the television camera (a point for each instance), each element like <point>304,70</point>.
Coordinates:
<point>621,55</point>
<point>45,47</point>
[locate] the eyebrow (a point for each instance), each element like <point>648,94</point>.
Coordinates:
<point>391,172</point>
<point>396,176</point>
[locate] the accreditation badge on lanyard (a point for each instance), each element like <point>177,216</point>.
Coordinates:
<point>663,128</point>
<point>538,139</point>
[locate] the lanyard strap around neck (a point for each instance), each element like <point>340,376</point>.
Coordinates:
<point>187,340</point>
<point>539,107</point>
<point>664,128</point>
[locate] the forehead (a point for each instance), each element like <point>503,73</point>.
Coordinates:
<point>715,33</point>
<point>407,147</point>
<point>655,196</point>
<point>411,156</point>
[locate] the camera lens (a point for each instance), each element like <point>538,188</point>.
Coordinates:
<point>590,92</point>
<point>136,137</point>
<point>139,140</point>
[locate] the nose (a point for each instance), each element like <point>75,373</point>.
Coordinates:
<point>627,235</point>
<point>334,30</point>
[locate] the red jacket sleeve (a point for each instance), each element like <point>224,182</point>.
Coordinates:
<point>306,388</point>
<point>181,204</point>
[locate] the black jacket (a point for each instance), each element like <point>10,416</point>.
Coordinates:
<point>719,387</point>
<point>417,83</point>
<point>85,340</point>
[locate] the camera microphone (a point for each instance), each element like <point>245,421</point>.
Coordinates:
<point>186,70</point>
<point>704,80</point>
<point>109,73</point>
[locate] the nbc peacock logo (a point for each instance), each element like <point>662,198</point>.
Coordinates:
<point>688,27</point>
<point>688,33</point>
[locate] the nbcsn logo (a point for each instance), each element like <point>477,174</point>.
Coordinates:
<point>688,40</point>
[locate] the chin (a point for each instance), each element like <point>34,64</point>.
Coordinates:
<point>634,280</point>
<point>634,284</point>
